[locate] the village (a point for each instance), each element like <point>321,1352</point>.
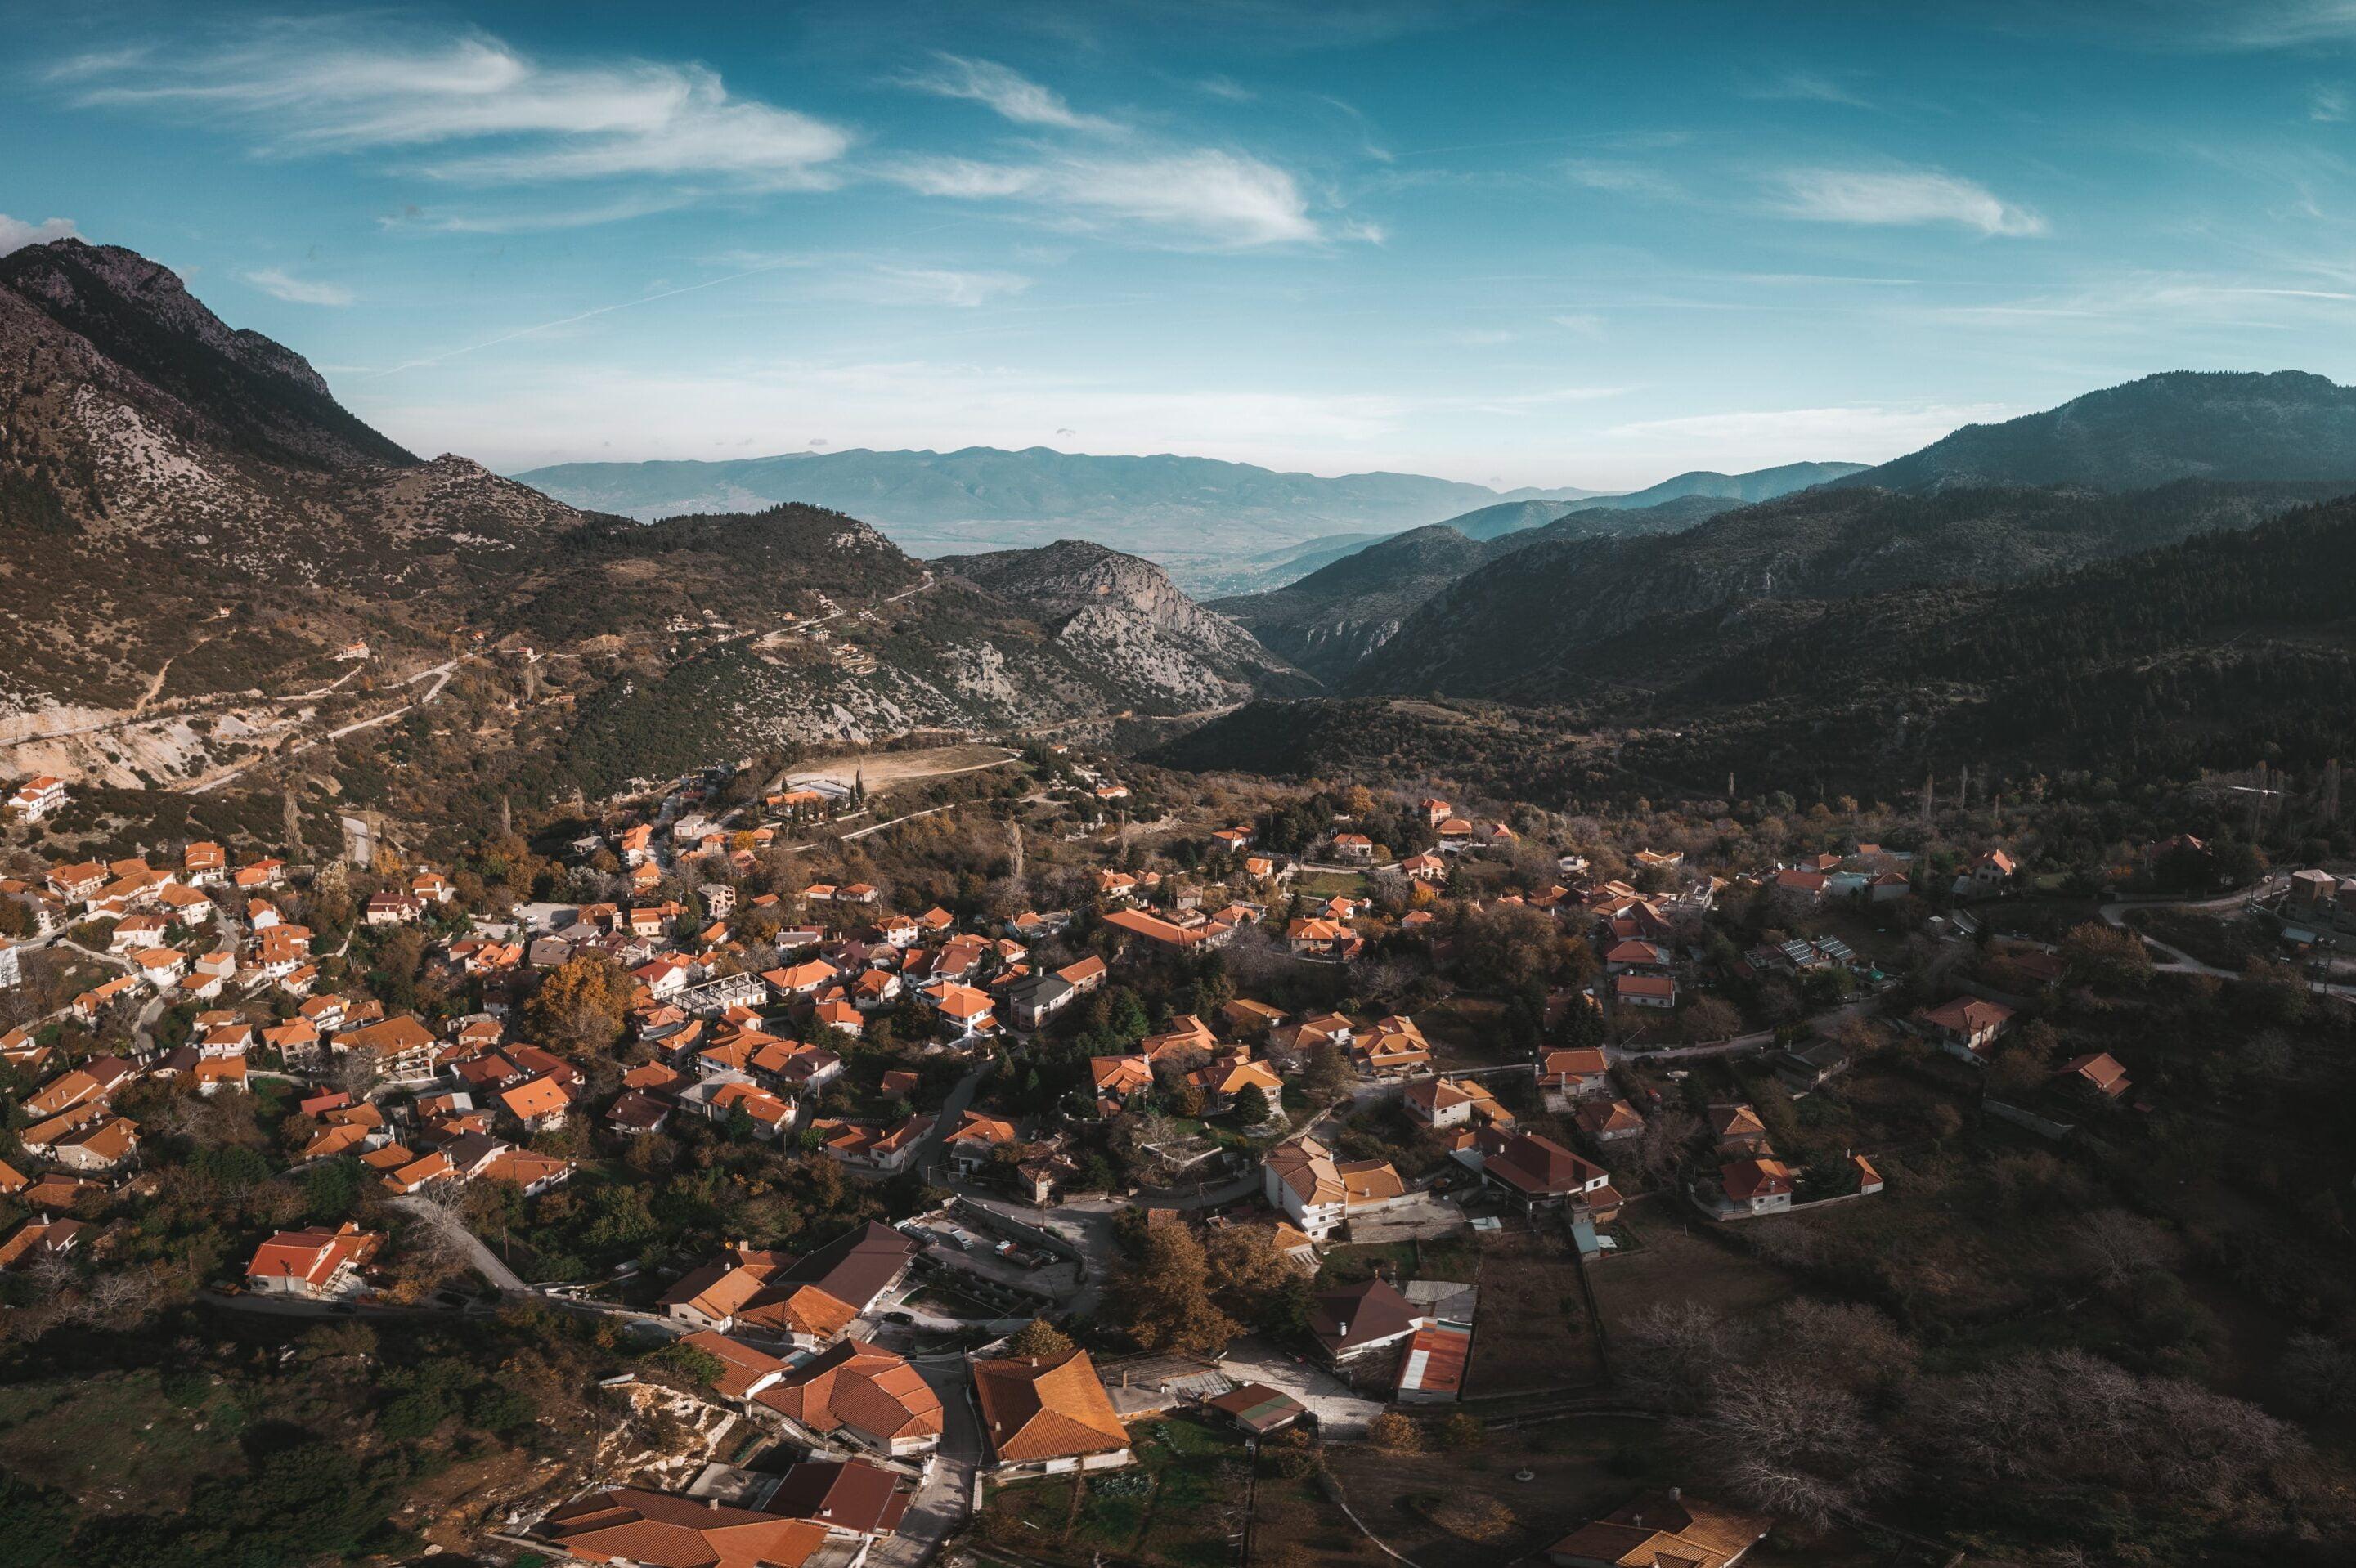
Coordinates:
<point>1358,1127</point>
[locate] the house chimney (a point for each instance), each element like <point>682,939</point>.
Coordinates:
<point>712,1503</point>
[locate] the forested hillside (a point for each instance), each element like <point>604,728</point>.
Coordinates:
<point>2211,652</point>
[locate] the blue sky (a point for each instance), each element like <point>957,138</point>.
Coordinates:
<point>1555,243</point>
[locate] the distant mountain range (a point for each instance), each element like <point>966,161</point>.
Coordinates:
<point>1191,513</point>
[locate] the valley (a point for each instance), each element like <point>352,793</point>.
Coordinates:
<point>666,1017</point>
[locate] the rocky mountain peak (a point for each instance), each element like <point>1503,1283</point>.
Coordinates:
<point>183,363</point>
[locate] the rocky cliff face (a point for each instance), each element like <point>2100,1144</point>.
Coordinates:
<point>1122,617</point>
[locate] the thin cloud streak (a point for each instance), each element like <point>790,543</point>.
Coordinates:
<point>1005,91</point>
<point>312,88</point>
<point>279,284</point>
<point>1901,197</point>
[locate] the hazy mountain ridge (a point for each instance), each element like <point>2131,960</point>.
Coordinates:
<point>2179,424</point>
<point>1758,485</point>
<point>1192,514</point>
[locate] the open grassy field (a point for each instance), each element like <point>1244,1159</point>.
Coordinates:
<point>1180,1506</point>
<point>1531,1333</point>
<point>1469,1508</point>
<point>882,770</point>
<point>1329,884</point>
<point>1677,1264</point>
<point>119,1441</point>
<point>1464,1509</point>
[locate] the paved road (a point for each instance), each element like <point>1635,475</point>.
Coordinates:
<point>952,1111</point>
<point>2176,960</point>
<point>487,1262</point>
<point>943,1501</point>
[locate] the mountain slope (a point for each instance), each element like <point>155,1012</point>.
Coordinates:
<point>137,316</point>
<point>1329,621</point>
<point>191,529</point>
<point>2177,425</point>
<point>2207,653</point>
<point>1121,616</point>
<point>1759,484</point>
<point>1507,517</point>
<point>1182,511</point>
<point>1332,618</point>
<point>1517,628</point>
<point>166,482</point>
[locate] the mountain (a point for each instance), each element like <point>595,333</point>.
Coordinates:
<point>1192,514</point>
<point>1332,618</point>
<point>1664,515</point>
<point>167,483</point>
<point>2206,652</point>
<point>2181,424</point>
<point>1519,628</point>
<point>192,530</point>
<point>1329,621</point>
<point>1507,517</point>
<point>1121,616</point>
<point>1759,484</point>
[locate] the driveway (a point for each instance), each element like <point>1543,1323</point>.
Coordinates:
<point>1340,1412</point>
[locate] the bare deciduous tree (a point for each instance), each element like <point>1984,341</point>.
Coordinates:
<point>2115,1246</point>
<point>1795,1445</point>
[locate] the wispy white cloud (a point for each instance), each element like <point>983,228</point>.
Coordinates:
<point>1202,197</point>
<point>16,233</point>
<point>2259,23</point>
<point>1804,87</point>
<point>508,216</point>
<point>1620,177</point>
<point>1005,90</point>
<point>307,88</point>
<point>951,286</point>
<point>2328,104</point>
<point>1901,197</point>
<point>279,283</point>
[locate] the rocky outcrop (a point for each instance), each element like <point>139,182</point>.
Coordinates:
<point>1124,618</point>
